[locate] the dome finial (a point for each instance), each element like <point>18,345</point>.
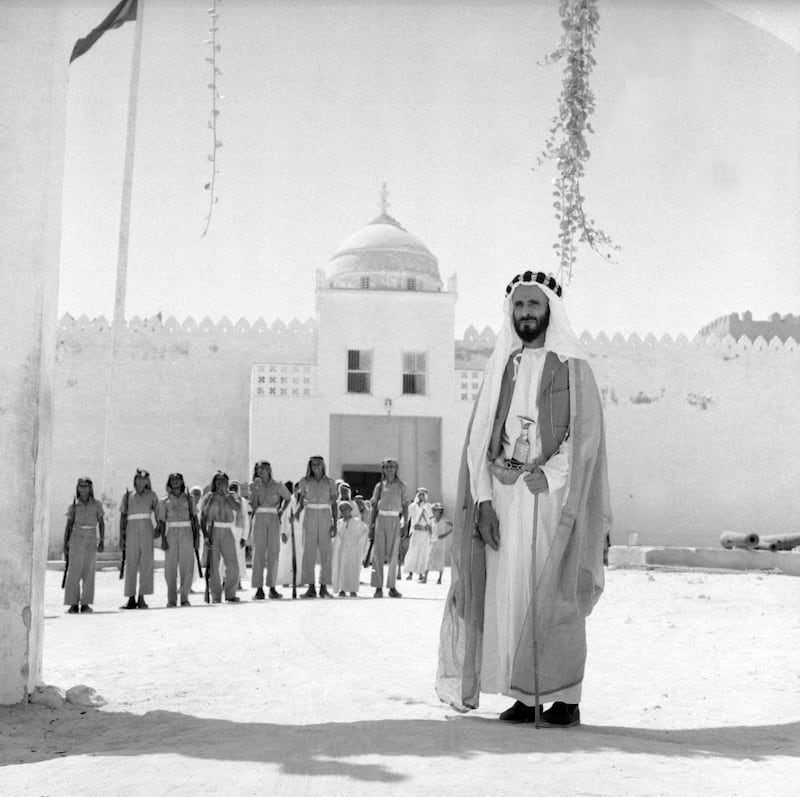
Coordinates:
<point>384,200</point>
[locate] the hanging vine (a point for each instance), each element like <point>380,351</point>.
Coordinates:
<point>216,97</point>
<point>566,142</point>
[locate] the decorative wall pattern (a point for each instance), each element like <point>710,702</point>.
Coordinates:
<point>284,380</point>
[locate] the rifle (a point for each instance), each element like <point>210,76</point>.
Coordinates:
<point>66,546</point>
<point>195,532</point>
<point>373,523</point>
<point>123,528</point>
<point>294,556</point>
<point>368,557</point>
<point>207,595</point>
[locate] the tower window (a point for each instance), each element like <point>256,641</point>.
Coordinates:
<point>414,369</point>
<point>364,285</point>
<point>359,369</point>
<point>411,283</point>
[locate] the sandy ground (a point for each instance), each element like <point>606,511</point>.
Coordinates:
<point>692,688</point>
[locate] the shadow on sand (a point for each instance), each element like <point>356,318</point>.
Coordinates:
<point>33,733</point>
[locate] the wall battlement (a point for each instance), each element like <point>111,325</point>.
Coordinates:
<point>474,348</point>
<point>782,327</point>
<point>223,327</point>
<point>155,338</point>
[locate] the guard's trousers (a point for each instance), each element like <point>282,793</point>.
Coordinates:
<point>223,545</point>
<point>317,537</point>
<point>179,561</point>
<point>139,557</point>
<point>385,550</point>
<point>266,548</point>
<point>79,587</point>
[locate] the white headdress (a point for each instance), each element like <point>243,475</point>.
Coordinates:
<point>559,338</point>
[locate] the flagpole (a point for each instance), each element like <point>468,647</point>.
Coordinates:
<point>127,178</point>
<point>118,320</point>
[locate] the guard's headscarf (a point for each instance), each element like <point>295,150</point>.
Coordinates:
<point>390,461</point>
<point>559,339</point>
<point>84,480</point>
<point>145,474</point>
<point>216,477</point>
<point>179,476</point>
<point>263,463</point>
<point>309,472</point>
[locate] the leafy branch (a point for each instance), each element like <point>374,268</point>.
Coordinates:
<point>210,186</point>
<point>566,140</point>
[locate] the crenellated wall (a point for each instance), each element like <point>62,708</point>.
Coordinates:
<point>776,326</point>
<point>702,435</point>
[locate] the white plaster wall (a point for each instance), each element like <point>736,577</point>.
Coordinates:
<point>681,474</point>
<point>179,402</point>
<point>389,323</point>
<point>286,432</point>
<point>33,102</point>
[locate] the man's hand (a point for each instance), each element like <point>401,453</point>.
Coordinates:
<point>100,546</point>
<point>536,481</point>
<point>284,538</point>
<point>487,527</point>
<point>164,543</point>
<point>242,542</point>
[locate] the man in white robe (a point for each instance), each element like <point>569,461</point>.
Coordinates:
<point>420,518</point>
<point>514,620</point>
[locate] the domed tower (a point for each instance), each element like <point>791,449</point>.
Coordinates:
<point>384,256</point>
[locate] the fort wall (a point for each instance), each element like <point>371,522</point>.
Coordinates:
<point>702,435</point>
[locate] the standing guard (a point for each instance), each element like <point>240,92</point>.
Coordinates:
<point>177,523</point>
<point>138,510</point>
<point>389,510</point>
<point>318,498</point>
<point>269,499</point>
<point>219,511</point>
<point>81,544</point>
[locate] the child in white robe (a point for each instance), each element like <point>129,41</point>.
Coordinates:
<point>350,531</point>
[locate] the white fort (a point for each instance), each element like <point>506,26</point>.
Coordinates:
<point>378,371</point>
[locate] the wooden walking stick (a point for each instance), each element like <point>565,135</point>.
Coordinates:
<point>536,709</point>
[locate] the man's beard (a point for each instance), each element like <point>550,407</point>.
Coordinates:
<point>529,329</point>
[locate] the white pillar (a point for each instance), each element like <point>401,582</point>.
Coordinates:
<point>33,63</point>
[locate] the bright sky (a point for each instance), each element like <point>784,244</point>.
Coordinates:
<point>695,167</point>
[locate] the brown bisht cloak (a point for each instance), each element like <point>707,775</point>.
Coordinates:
<point>572,578</point>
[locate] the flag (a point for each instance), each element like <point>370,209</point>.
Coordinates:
<point>124,11</point>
